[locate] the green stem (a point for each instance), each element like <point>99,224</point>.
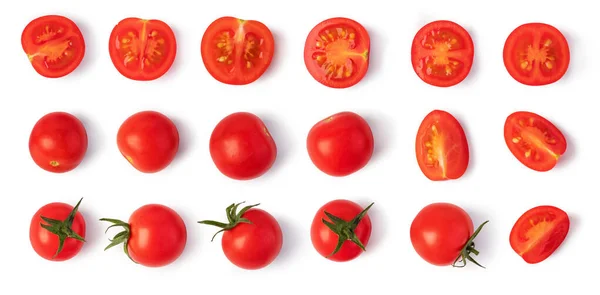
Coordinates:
<point>121,237</point>
<point>234,218</point>
<point>62,228</point>
<point>345,229</point>
<point>465,253</point>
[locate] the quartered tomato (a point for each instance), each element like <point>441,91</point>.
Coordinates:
<point>142,49</point>
<point>54,45</point>
<point>539,232</point>
<point>336,52</point>
<point>533,140</point>
<point>442,53</point>
<point>236,51</point>
<point>536,54</point>
<point>441,147</point>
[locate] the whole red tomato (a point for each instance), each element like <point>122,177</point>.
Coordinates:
<point>58,142</point>
<point>442,234</point>
<point>252,239</point>
<point>341,230</point>
<point>242,147</point>
<point>155,235</point>
<point>340,144</point>
<point>149,140</point>
<point>57,231</point>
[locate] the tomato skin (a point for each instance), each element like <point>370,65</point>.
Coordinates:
<point>149,140</point>
<point>324,240</point>
<point>54,45</point>
<point>58,142</point>
<point>341,144</point>
<point>242,147</point>
<point>535,243</point>
<point>45,243</point>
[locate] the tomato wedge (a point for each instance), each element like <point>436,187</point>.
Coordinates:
<point>236,51</point>
<point>539,232</point>
<point>442,53</point>
<point>536,54</point>
<point>441,147</point>
<point>142,49</point>
<point>534,140</point>
<point>336,52</point>
<point>54,45</point>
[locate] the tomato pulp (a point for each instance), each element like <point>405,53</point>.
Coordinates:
<point>336,52</point>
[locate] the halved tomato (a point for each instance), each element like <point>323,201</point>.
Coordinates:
<point>142,49</point>
<point>539,232</point>
<point>441,147</point>
<point>442,53</point>
<point>536,54</point>
<point>534,140</point>
<point>236,51</point>
<point>54,45</point>
<point>336,52</point>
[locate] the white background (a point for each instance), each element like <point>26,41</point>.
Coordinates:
<point>391,97</point>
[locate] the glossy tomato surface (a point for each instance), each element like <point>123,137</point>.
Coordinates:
<point>442,53</point>
<point>242,147</point>
<point>58,142</point>
<point>341,144</point>
<point>336,52</point>
<point>54,45</point>
<point>46,243</point>
<point>534,141</point>
<point>142,49</point>
<point>536,54</point>
<point>236,51</point>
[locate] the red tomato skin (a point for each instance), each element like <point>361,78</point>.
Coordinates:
<point>439,232</point>
<point>149,140</point>
<point>158,235</point>
<point>324,240</point>
<point>242,147</point>
<point>58,142</point>
<point>45,243</point>
<point>340,145</point>
<point>253,246</point>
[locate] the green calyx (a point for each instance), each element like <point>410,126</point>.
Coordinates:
<point>62,228</point>
<point>465,253</point>
<point>233,218</point>
<point>345,229</point>
<point>121,237</point>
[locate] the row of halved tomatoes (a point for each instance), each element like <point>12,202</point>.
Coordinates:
<point>336,51</point>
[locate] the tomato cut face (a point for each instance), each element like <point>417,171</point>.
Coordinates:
<point>536,54</point>
<point>442,53</point>
<point>534,141</point>
<point>54,45</point>
<point>336,52</point>
<point>142,49</point>
<point>539,232</point>
<point>236,51</point>
<point>441,147</point>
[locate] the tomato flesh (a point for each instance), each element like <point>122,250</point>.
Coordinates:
<point>442,53</point>
<point>534,141</point>
<point>336,52</point>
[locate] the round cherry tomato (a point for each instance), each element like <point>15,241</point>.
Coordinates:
<point>57,231</point>
<point>142,49</point>
<point>54,45</point>
<point>539,232</point>
<point>341,230</point>
<point>340,144</point>
<point>236,51</point>
<point>336,52</point>
<point>441,147</point>
<point>58,142</point>
<point>536,54</point>
<point>149,140</point>
<point>442,53</point>
<point>241,146</point>
<point>252,239</point>
<point>442,234</point>
<point>534,141</point>
<point>155,235</point>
